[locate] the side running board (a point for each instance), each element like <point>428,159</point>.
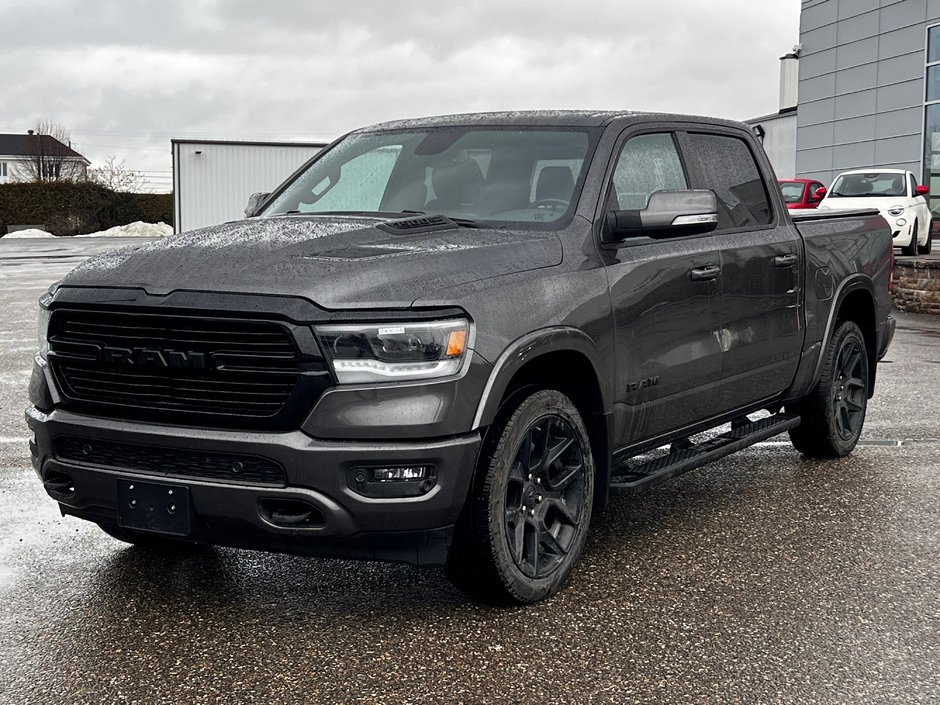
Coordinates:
<point>633,477</point>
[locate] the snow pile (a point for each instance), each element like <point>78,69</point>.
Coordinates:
<point>28,233</point>
<point>135,229</point>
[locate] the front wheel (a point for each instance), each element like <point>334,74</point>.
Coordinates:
<point>528,515</point>
<point>911,248</point>
<point>925,248</point>
<point>833,413</point>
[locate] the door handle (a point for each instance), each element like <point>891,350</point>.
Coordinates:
<point>784,261</point>
<point>705,274</point>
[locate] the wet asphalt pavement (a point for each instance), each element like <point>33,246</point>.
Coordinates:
<point>763,578</point>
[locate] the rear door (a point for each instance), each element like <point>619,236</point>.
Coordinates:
<point>760,330</point>
<point>664,295</point>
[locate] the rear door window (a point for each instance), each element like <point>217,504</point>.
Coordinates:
<point>726,165</point>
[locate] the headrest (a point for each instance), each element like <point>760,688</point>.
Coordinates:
<point>554,182</point>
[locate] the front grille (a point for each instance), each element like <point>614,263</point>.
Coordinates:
<point>181,368</point>
<point>171,462</point>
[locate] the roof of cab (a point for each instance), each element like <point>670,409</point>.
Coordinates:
<point>539,118</point>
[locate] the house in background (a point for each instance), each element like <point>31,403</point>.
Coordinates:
<point>29,157</point>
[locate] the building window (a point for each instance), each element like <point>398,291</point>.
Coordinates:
<point>931,175</point>
<point>3,169</point>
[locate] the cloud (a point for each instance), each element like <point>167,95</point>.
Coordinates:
<point>113,70</point>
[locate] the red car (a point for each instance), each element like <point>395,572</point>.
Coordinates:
<point>801,193</point>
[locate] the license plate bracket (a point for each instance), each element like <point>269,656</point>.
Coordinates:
<point>157,507</point>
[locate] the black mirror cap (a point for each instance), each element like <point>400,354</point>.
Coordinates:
<point>668,214</point>
<point>254,201</point>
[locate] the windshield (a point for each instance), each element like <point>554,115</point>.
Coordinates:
<point>518,175</point>
<point>792,192</point>
<point>871,184</point>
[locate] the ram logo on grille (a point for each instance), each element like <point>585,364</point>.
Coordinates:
<point>153,357</point>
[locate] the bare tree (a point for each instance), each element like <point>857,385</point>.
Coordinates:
<point>50,158</point>
<point>117,177</point>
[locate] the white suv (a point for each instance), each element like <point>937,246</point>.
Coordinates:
<point>896,194</point>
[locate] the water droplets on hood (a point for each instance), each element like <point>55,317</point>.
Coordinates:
<point>271,232</point>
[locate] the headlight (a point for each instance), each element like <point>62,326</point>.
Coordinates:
<point>386,352</point>
<point>895,211</point>
<point>43,326</point>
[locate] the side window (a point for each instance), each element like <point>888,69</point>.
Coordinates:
<point>726,166</point>
<point>913,184</point>
<point>647,163</point>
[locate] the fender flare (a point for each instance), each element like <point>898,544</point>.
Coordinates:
<point>530,347</point>
<point>851,284</point>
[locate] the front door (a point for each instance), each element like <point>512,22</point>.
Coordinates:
<point>665,299</point>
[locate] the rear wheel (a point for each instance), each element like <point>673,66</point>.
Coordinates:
<point>911,248</point>
<point>832,414</point>
<point>926,247</point>
<point>528,515</point>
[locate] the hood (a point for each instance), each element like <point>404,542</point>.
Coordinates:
<point>337,262</point>
<point>882,203</point>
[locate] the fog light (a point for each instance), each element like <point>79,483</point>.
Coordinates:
<point>901,222</point>
<point>415,472</point>
<point>393,481</point>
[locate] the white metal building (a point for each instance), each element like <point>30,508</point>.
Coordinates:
<point>213,179</point>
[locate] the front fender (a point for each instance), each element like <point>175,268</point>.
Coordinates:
<point>528,348</point>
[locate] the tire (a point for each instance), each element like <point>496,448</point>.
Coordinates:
<point>911,249</point>
<point>834,412</point>
<point>528,514</point>
<point>151,542</point>
<point>926,247</point>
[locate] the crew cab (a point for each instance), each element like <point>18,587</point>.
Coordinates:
<point>448,341</point>
<point>894,192</point>
<point>801,193</point>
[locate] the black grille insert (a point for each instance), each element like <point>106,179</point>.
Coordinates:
<point>171,462</point>
<point>200,370</point>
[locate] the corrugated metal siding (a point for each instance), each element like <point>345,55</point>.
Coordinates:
<point>861,85</point>
<point>213,186</point>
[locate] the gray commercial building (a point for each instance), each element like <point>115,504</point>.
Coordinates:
<point>869,88</point>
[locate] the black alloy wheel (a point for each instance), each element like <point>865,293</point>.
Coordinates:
<point>545,496</point>
<point>833,412</point>
<point>849,390</point>
<point>529,510</point>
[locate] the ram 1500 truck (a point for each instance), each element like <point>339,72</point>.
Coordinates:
<point>447,341</point>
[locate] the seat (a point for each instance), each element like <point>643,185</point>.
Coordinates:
<point>457,186</point>
<point>555,183</point>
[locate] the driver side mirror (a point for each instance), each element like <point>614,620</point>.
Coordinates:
<point>668,214</point>
<point>255,200</point>
<point>921,191</point>
<point>818,194</point>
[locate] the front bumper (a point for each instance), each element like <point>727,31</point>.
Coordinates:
<point>226,511</point>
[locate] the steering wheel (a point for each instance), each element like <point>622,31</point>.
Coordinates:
<point>549,203</point>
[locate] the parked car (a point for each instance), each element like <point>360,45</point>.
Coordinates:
<point>448,340</point>
<point>801,193</point>
<point>895,193</point>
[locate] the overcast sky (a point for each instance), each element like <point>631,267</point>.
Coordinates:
<point>126,75</point>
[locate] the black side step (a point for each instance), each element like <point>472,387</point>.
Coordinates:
<point>635,478</point>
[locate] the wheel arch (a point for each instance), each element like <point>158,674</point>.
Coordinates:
<point>565,359</point>
<point>855,302</point>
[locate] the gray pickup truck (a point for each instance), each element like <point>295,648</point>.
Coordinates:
<point>447,341</point>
